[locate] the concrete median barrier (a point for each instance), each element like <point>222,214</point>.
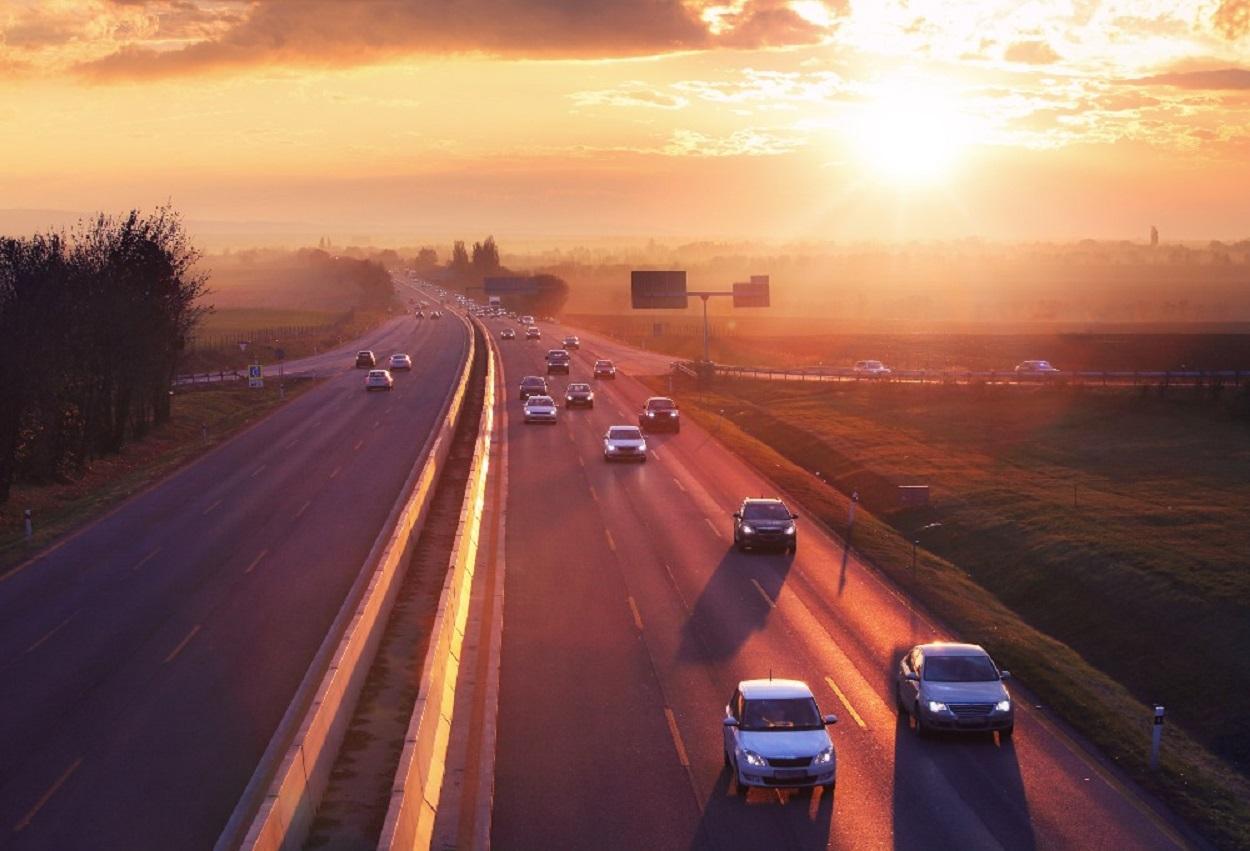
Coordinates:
<point>418,780</point>
<point>277,809</point>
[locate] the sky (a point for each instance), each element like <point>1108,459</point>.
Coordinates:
<point>776,120</point>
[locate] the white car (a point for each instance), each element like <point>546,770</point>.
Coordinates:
<point>624,443</point>
<point>1035,369</point>
<point>379,379</point>
<point>400,361</point>
<point>871,369</point>
<point>533,333</point>
<point>540,409</point>
<point>775,736</point>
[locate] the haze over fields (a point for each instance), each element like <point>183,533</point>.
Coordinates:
<point>778,120</point>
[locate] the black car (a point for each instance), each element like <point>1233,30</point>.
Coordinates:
<point>420,314</point>
<point>365,360</point>
<point>605,369</point>
<point>558,360</point>
<point>579,395</point>
<point>572,342</point>
<point>533,385</point>
<point>659,414</point>
<point>765,523</point>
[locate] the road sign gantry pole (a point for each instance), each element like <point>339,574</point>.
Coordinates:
<point>705,295</point>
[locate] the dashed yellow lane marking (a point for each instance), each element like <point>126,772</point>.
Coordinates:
<point>147,558</point>
<point>611,540</point>
<point>256,560</point>
<point>303,508</point>
<point>847,703</point>
<point>47,796</point>
<point>173,654</point>
<point>257,471</point>
<point>767,599</point>
<point>633,607</point>
<point>712,526</point>
<point>50,633</point>
<point>677,742</point>
<point>209,510</point>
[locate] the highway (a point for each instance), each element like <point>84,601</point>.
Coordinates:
<point>629,619</point>
<point>148,659</point>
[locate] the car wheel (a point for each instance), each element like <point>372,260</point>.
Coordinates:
<point>743,789</point>
<point>725,755</point>
<point>1005,733</point>
<point>922,729</point>
<point>829,787</point>
<point>792,549</point>
<point>898,702</point>
<point>741,545</point>
<point>591,405</point>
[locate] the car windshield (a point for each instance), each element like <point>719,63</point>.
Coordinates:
<point>765,511</point>
<point>539,401</point>
<point>533,382</point>
<point>603,363</point>
<point>661,405</point>
<point>791,713</point>
<point>579,388</point>
<point>624,434</point>
<point>959,669</point>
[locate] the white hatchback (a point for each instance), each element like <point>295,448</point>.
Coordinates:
<point>624,443</point>
<point>775,736</point>
<point>379,379</point>
<point>540,409</point>
<point>399,360</point>
<point>871,369</point>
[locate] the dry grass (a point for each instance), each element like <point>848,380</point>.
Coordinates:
<point>59,509</point>
<point>1135,593</point>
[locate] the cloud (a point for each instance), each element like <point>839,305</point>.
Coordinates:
<point>332,33</point>
<point>630,94</point>
<point>1031,53</point>
<point>1232,18</point>
<point>1220,78</point>
<point>742,143</point>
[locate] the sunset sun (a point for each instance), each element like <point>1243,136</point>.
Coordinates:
<point>909,136</point>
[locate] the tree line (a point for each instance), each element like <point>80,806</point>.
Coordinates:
<point>465,272</point>
<point>92,324</point>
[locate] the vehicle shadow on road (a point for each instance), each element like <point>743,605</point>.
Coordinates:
<point>956,790</point>
<point>765,818</point>
<point>735,603</point>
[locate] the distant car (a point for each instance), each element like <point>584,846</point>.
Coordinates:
<point>558,360</point>
<point>871,369</point>
<point>572,342</point>
<point>400,361</point>
<point>954,687</point>
<point>624,443</point>
<point>765,523</point>
<point>1035,369</point>
<point>366,360</point>
<point>605,369</point>
<point>533,385</point>
<point>526,320</point>
<point>507,334</point>
<point>434,314</point>
<point>379,379</point>
<point>533,333</point>
<point>540,409</point>
<point>420,314</point>
<point>775,736</point>
<point>659,413</point>
<point>579,394</point>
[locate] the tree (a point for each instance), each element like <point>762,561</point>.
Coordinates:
<point>459,258</point>
<point>486,257</point>
<point>427,258</point>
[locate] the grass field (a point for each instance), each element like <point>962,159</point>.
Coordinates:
<point>1096,541</point>
<point>303,332</point>
<point>782,343</point>
<point>58,509</point>
<point>242,320</point>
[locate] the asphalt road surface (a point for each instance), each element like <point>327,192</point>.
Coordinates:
<point>629,618</point>
<point>146,662</point>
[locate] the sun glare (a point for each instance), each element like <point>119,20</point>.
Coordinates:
<point>909,135</point>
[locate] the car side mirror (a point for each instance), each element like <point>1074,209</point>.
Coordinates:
<point>911,677</point>
<point>730,721</point>
<point>830,719</point>
<point>1004,675</point>
<point>737,515</point>
<point>794,517</point>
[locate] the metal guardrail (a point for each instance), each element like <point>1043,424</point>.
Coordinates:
<point>207,378</point>
<point>835,374</point>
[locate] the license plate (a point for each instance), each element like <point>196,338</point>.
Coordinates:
<point>791,774</point>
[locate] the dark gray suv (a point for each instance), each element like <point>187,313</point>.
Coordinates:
<point>765,523</point>
<point>533,385</point>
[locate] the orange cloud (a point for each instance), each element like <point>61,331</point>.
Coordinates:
<point>329,33</point>
<point>1220,78</point>
<point>1232,18</point>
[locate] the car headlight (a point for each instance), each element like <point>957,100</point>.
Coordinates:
<point>790,529</point>
<point>747,530</point>
<point>1003,706</point>
<point>651,413</point>
<point>824,757</point>
<point>937,706</point>
<point>611,448</point>
<point>754,759</point>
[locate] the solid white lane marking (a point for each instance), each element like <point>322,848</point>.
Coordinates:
<point>303,508</point>
<point>50,633</point>
<point>173,654</point>
<point>845,702</point>
<point>767,599</point>
<point>680,486</point>
<point>677,742</point>
<point>47,796</point>
<point>210,508</point>
<point>633,607</point>
<point>712,526</point>
<point>257,471</point>
<point>256,560</point>
<point>147,558</point>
